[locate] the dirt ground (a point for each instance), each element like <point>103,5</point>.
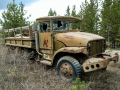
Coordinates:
<point>16,73</point>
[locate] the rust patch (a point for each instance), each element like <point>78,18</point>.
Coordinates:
<point>82,50</point>
<point>68,36</point>
<point>65,49</point>
<point>84,39</point>
<point>72,51</point>
<point>45,42</point>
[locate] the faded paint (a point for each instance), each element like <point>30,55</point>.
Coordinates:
<point>58,45</point>
<point>76,38</point>
<point>92,64</point>
<point>45,40</point>
<point>42,19</point>
<point>72,50</point>
<point>68,36</point>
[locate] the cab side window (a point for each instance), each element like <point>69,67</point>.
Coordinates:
<point>44,27</point>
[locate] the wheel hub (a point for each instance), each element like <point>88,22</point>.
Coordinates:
<point>67,70</point>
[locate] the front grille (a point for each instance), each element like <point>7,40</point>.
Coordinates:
<point>96,47</point>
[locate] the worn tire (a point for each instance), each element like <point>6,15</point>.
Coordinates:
<point>31,57</point>
<point>68,68</point>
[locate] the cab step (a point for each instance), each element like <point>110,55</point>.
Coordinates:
<point>47,62</point>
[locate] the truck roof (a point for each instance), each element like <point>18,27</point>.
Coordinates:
<point>47,18</point>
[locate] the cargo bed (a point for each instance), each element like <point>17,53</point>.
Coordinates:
<point>21,37</point>
<point>27,42</point>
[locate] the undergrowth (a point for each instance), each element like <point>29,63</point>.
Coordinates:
<point>16,73</point>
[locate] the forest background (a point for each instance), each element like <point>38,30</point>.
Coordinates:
<point>99,17</point>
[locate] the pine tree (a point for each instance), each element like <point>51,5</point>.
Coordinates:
<point>105,15</point>
<point>110,25</point>
<point>67,11</point>
<point>73,11</point>
<point>14,16</point>
<point>89,14</point>
<point>52,13</point>
<point>115,22</point>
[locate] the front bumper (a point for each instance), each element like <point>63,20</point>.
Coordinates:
<point>100,62</point>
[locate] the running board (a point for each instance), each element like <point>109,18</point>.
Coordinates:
<point>46,62</point>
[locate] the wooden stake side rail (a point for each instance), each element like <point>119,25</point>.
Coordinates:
<point>21,37</point>
<point>28,43</point>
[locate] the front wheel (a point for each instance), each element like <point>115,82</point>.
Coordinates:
<point>68,68</point>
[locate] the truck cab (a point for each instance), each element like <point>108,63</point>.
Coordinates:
<point>72,51</point>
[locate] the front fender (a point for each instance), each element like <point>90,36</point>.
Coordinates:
<point>72,50</point>
<point>96,63</point>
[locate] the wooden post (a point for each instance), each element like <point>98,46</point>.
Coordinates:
<point>8,33</point>
<point>21,31</point>
<point>51,31</point>
<point>14,37</point>
<point>30,32</point>
<point>14,33</point>
<point>21,35</point>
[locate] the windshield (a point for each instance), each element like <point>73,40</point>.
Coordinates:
<point>63,25</point>
<point>60,25</point>
<point>74,25</point>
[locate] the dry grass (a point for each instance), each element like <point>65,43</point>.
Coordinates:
<point>17,74</point>
<point>104,81</point>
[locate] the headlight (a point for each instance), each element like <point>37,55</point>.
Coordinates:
<point>89,44</point>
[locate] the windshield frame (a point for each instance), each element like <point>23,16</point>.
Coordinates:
<point>67,19</point>
<point>69,28</point>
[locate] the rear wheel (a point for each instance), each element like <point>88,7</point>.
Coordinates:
<point>32,56</point>
<point>68,68</point>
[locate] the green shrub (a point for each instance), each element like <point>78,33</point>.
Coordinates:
<point>78,84</point>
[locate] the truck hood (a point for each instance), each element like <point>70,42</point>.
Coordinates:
<point>76,38</point>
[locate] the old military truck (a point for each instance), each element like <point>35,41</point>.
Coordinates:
<point>58,41</point>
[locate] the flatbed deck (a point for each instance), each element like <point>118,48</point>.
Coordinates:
<point>20,42</point>
<point>23,38</point>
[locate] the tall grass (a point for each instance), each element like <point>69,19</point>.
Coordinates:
<point>16,73</point>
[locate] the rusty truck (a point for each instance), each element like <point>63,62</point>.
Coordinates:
<point>58,41</point>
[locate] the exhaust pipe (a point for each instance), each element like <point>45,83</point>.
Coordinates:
<point>37,42</point>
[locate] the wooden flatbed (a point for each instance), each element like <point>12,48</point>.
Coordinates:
<point>19,39</point>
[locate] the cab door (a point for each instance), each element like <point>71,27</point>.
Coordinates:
<point>45,38</point>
